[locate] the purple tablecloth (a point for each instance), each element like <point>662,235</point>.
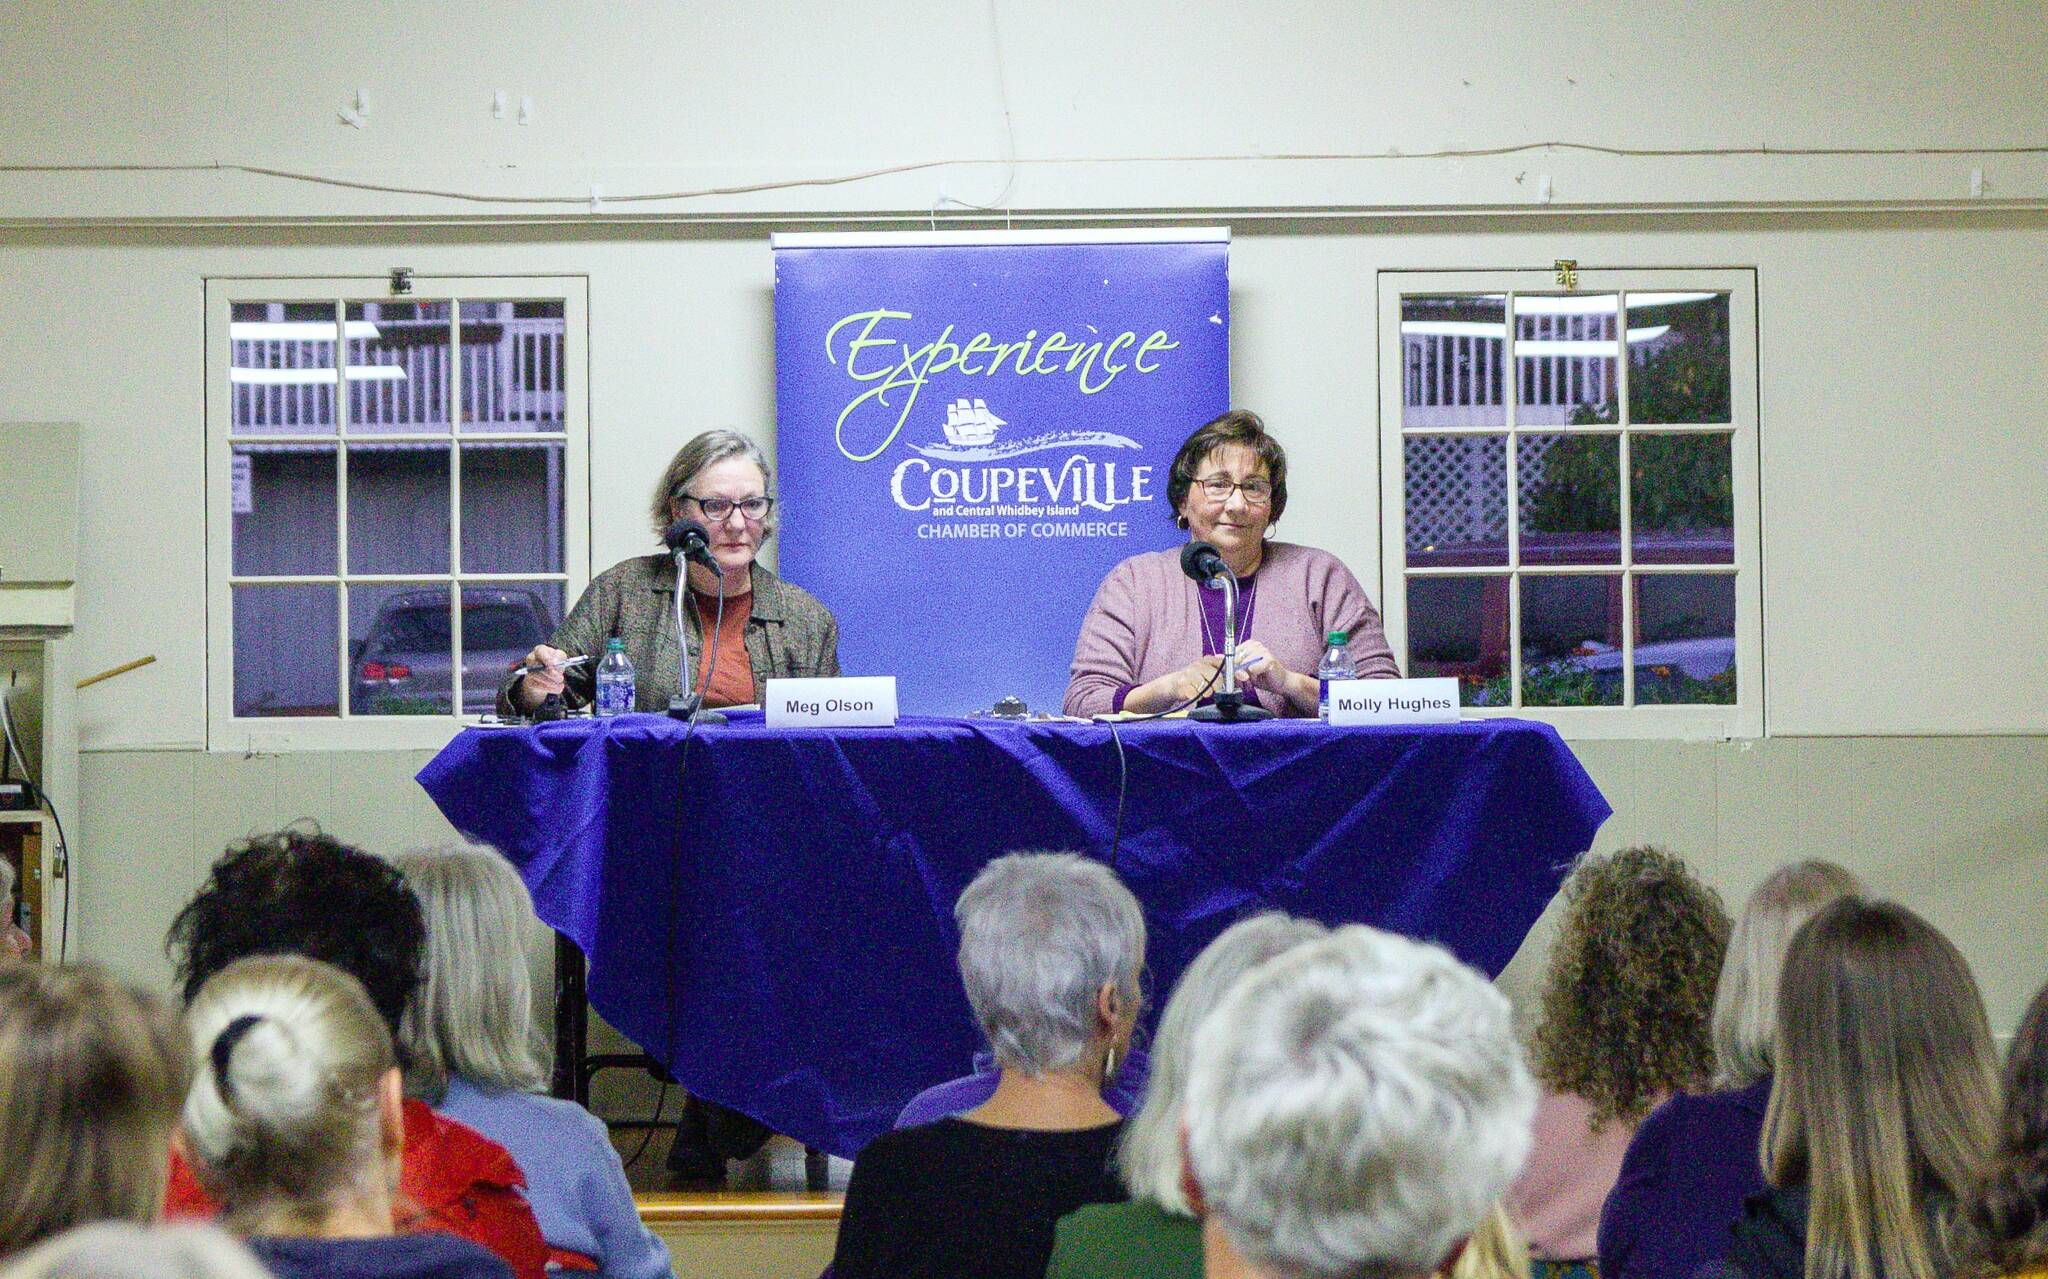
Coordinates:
<point>775,921</point>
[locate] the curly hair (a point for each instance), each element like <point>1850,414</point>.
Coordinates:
<point>2004,1217</point>
<point>300,892</point>
<point>1629,995</point>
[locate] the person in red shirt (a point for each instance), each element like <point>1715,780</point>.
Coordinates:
<point>301,892</point>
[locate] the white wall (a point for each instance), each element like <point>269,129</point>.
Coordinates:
<point>1900,351</point>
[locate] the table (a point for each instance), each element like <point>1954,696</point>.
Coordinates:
<point>769,913</point>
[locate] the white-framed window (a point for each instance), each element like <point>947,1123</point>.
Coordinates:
<point>397,500</point>
<point>1569,495</point>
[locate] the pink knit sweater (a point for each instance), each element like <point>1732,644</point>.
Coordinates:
<point>1557,1198</point>
<point>1147,620</point>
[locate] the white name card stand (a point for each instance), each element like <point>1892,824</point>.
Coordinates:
<point>866,701</point>
<point>1394,701</point>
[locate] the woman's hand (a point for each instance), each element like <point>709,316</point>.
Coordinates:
<point>1175,687</point>
<point>531,691</point>
<point>1258,668</point>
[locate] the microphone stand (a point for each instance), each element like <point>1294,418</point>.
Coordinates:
<point>687,705</point>
<point>1230,706</point>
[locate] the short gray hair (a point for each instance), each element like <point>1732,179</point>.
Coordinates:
<point>1355,1107</point>
<point>472,1014</point>
<point>696,457</point>
<point>1150,1157</point>
<point>1746,1000</point>
<point>1040,934</point>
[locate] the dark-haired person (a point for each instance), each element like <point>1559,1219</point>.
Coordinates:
<point>1883,1109</point>
<point>2004,1219</point>
<point>1626,1010</point>
<point>770,628</point>
<point>295,1124</point>
<point>1153,638</point>
<point>299,892</point>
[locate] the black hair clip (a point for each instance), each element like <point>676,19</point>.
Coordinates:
<point>224,1047</point>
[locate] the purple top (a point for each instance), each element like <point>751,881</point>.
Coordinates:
<point>958,1096</point>
<point>1682,1185</point>
<point>1149,619</point>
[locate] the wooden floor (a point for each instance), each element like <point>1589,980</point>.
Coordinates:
<point>733,1234</point>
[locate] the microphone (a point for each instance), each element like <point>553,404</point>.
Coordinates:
<point>688,539</point>
<point>1202,562</point>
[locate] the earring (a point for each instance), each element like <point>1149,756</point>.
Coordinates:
<point>1109,1064</point>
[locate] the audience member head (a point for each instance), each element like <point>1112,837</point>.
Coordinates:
<point>1051,946</point>
<point>91,1076</point>
<point>1885,1094</point>
<point>1630,987</point>
<point>1355,1106</point>
<point>1150,1158</point>
<point>299,892</point>
<point>473,1012</point>
<point>294,1120</point>
<point>124,1250</point>
<point>2004,1216</point>
<point>1746,1001</point>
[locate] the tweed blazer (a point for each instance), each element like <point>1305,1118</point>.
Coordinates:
<point>789,633</point>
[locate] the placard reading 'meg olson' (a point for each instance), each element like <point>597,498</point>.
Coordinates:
<point>1394,701</point>
<point>854,702</point>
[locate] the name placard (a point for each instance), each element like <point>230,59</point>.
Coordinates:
<point>1394,701</point>
<point>865,701</point>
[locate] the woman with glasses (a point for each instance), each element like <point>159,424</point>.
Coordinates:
<point>1153,639</point>
<point>768,628</point>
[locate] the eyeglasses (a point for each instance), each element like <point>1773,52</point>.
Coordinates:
<point>720,509</point>
<point>1257,491</point>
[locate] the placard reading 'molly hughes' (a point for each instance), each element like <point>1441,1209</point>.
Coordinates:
<point>973,428</point>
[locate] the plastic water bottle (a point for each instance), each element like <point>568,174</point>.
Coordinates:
<point>614,680</point>
<point>1336,664</point>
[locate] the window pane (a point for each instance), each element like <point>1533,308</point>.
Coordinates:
<point>1451,348</point>
<point>1564,358</point>
<point>1571,640</point>
<point>398,508</point>
<point>1681,499</point>
<point>287,640</point>
<point>1458,626</point>
<point>512,507</point>
<point>514,377</point>
<point>398,366</point>
<point>1685,638</point>
<point>281,368</point>
<point>283,505</point>
<point>1569,490</point>
<point>401,650</point>
<point>1678,357</point>
<point>1456,499</point>
<point>500,625</point>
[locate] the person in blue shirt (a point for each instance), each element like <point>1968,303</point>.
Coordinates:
<point>475,1055</point>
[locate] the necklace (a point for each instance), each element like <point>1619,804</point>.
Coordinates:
<point>1247,601</point>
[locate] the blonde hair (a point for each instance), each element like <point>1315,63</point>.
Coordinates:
<point>695,458</point>
<point>284,1115</point>
<point>1495,1251</point>
<point>1746,1000</point>
<point>91,1075</point>
<point>1149,1158</point>
<point>472,1014</point>
<point>1886,1088</point>
<point>124,1250</point>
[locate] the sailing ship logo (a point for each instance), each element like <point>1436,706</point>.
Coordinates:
<point>971,428</point>
<point>970,424</point>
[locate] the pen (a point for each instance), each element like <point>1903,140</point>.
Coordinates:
<point>562,665</point>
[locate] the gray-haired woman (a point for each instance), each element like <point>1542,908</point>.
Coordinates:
<point>476,1056</point>
<point>1157,1234</point>
<point>767,629</point>
<point>1051,945</point>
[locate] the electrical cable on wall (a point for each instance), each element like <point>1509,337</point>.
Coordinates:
<point>62,860</point>
<point>581,199</point>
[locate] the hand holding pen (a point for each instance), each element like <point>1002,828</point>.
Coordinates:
<point>542,669</point>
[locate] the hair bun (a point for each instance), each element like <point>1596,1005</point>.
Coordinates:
<point>223,1051</point>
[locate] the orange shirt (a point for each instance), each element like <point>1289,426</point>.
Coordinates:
<point>735,674</point>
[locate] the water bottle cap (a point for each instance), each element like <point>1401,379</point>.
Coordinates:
<point>615,645</point>
<point>1340,637</point>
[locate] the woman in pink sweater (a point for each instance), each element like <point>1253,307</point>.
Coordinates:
<point>1626,1007</point>
<point>1153,638</point>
